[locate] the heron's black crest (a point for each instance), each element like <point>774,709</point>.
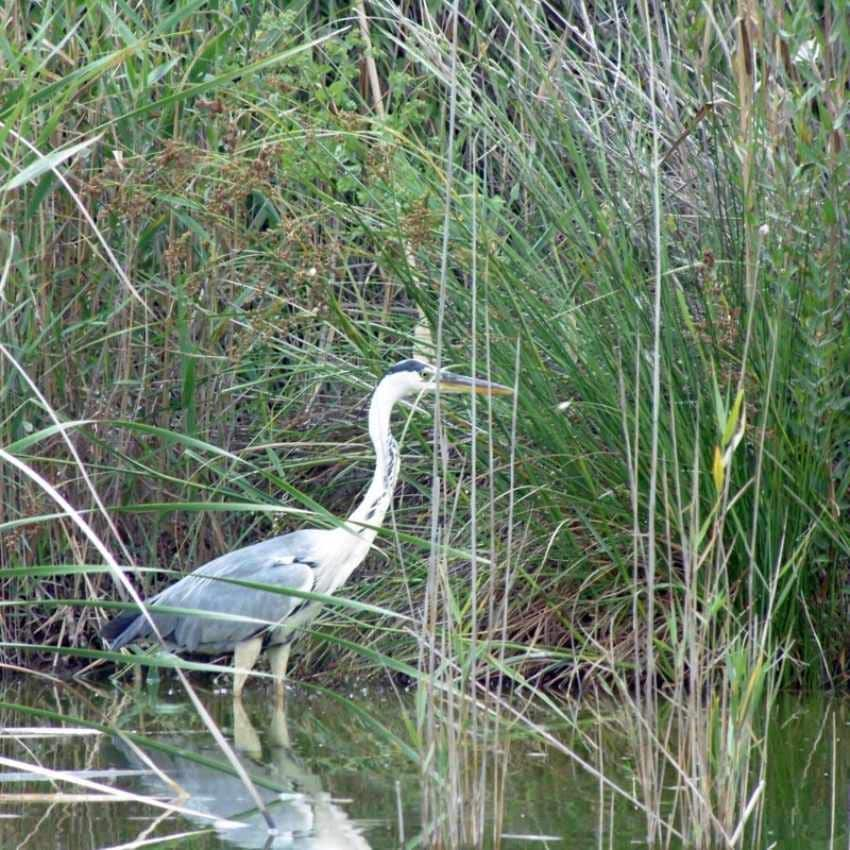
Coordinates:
<point>408,366</point>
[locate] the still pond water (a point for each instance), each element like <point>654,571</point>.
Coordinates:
<point>334,775</point>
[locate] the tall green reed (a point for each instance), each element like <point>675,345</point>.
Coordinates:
<point>635,253</point>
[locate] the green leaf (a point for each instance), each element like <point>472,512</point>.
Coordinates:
<point>46,163</point>
<point>176,437</point>
<point>24,443</point>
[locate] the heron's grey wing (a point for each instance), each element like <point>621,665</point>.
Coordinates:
<point>283,562</point>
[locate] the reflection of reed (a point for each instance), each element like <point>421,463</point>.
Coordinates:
<point>304,814</point>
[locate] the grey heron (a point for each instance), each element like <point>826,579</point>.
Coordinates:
<point>310,560</point>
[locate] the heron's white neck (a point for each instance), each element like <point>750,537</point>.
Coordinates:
<point>368,516</point>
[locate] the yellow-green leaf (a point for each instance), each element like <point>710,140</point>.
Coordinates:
<point>718,469</point>
<point>732,419</point>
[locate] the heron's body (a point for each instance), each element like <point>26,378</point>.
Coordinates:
<point>312,560</point>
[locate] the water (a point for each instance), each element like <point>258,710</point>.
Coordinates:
<point>339,774</point>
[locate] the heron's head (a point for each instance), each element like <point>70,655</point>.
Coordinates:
<point>411,377</point>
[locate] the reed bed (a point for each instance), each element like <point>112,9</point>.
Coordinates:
<point>219,225</point>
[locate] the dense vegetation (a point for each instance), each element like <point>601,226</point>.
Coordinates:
<point>640,219</point>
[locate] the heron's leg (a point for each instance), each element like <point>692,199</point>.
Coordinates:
<point>244,658</point>
<point>279,658</point>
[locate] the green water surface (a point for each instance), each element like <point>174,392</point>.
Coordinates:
<point>347,774</point>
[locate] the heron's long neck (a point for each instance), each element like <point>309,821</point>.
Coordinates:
<point>371,511</point>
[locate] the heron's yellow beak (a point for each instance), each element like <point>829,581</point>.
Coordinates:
<point>451,383</point>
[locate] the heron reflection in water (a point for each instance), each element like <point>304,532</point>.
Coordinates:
<point>305,816</point>
<point>310,560</point>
